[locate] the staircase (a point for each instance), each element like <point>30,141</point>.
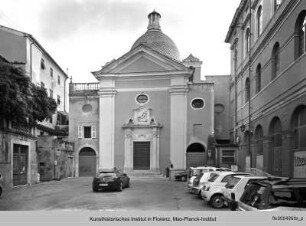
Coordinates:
<point>144,173</point>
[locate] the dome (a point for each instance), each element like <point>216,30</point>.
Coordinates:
<point>157,40</point>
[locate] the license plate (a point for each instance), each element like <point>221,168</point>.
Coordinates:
<point>103,185</point>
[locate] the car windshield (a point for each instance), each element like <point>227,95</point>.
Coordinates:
<point>107,173</point>
<point>227,178</point>
<point>195,172</point>
<point>213,177</point>
<point>232,182</point>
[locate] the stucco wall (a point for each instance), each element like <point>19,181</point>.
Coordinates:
<point>159,102</point>
<point>7,140</point>
<point>221,96</point>
<point>15,52</point>
<point>200,116</point>
<point>78,117</point>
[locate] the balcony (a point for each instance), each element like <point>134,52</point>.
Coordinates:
<point>76,89</point>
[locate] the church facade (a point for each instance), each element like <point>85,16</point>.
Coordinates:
<point>149,110</point>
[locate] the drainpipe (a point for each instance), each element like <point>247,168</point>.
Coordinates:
<point>249,118</point>
<point>31,70</point>
<point>65,94</point>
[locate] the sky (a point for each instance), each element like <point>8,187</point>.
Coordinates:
<point>83,35</point>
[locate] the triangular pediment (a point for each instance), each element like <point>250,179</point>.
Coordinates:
<point>141,60</point>
<point>142,63</point>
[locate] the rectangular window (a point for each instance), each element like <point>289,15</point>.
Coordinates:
<point>228,156</point>
<point>87,131</point>
<point>197,130</point>
<point>51,72</point>
<point>58,100</point>
<point>42,64</point>
<point>58,80</point>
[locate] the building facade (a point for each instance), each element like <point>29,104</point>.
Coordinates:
<point>149,110</point>
<point>19,159</point>
<point>268,85</point>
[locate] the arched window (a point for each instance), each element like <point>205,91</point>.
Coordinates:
<point>259,140</point>
<point>258,78</point>
<point>276,132</point>
<point>275,61</point>
<point>247,41</point>
<point>298,125</point>
<point>300,34</point>
<point>259,20</point>
<point>247,90</point>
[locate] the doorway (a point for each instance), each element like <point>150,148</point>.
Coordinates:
<point>20,164</point>
<point>141,156</point>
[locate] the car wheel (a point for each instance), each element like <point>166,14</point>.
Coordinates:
<point>216,201</point>
<point>120,186</point>
<point>183,178</point>
<point>232,206</point>
<point>200,194</point>
<point>94,189</point>
<point>128,184</point>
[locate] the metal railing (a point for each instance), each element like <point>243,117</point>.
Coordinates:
<point>84,86</point>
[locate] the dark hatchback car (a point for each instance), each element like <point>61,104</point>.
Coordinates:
<point>110,179</point>
<point>181,176</point>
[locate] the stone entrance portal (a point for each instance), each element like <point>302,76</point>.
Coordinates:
<point>142,141</point>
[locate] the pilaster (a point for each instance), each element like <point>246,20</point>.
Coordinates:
<point>107,95</point>
<point>178,125</point>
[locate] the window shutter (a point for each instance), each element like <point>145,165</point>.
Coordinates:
<point>93,132</point>
<point>80,131</point>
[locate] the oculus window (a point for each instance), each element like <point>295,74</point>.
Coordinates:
<point>142,99</point>
<point>197,103</point>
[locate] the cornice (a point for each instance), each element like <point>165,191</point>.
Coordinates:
<point>151,75</point>
<point>254,4</point>
<point>107,92</point>
<point>178,89</point>
<point>247,19</point>
<point>235,20</point>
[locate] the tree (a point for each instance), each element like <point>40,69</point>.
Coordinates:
<point>20,99</point>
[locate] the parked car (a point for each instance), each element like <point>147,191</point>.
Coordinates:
<point>181,176</point>
<point>276,195</point>
<point>198,182</point>
<point>235,187</point>
<point>195,184</point>
<point>1,179</point>
<point>197,172</point>
<point>212,191</point>
<point>110,179</point>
